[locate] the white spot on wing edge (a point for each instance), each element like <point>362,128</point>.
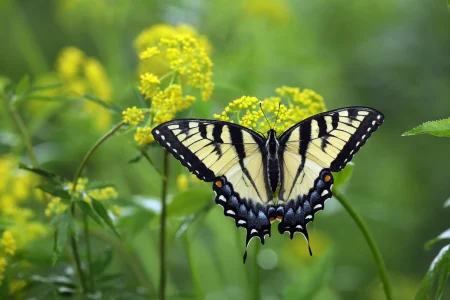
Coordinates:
<point>175,150</point>
<point>299,227</point>
<point>242,222</point>
<point>378,117</point>
<point>308,217</point>
<point>253,230</point>
<point>318,206</point>
<point>163,137</point>
<point>222,198</point>
<point>181,156</point>
<point>189,164</point>
<point>230,212</point>
<point>325,192</point>
<point>157,131</point>
<point>168,144</point>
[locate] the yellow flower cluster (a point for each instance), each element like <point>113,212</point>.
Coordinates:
<point>185,181</point>
<point>132,115</point>
<point>300,105</point>
<point>143,136</point>
<point>55,207</point>
<point>149,85</point>
<point>8,242</point>
<point>17,189</point>
<point>107,193</point>
<point>85,75</point>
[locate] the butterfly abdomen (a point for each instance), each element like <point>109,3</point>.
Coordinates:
<point>274,174</point>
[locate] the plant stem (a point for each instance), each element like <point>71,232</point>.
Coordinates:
<point>86,229</point>
<point>381,268</point>
<point>256,280</point>
<point>162,234</point>
<point>76,256</point>
<point>89,252</point>
<point>24,132</point>
<point>89,154</point>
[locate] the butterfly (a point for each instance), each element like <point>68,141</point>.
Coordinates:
<point>259,179</point>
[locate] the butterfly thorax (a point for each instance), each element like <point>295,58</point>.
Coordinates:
<point>273,169</point>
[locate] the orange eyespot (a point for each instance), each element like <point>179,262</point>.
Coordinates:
<point>219,183</point>
<point>327,178</point>
<point>266,230</point>
<point>280,218</point>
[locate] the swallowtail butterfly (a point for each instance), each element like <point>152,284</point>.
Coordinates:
<point>260,179</point>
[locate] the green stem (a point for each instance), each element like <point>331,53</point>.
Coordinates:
<point>23,132</point>
<point>162,234</point>
<point>256,280</point>
<point>89,154</point>
<point>381,268</point>
<point>89,252</point>
<point>72,193</point>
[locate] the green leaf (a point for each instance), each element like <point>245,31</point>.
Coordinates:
<point>343,176</point>
<point>448,4</point>
<point>310,282</point>
<point>442,237</point>
<point>54,190</point>
<point>439,271</point>
<point>23,86</point>
<point>47,175</point>
<point>103,213</point>
<point>447,203</point>
<point>437,128</point>
<point>110,106</point>
<point>189,202</point>
<point>46,87</point>
<point>60,237</point>
<point>87,209</point>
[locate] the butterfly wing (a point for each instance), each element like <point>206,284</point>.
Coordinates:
<point>233,158</point>
<point>310,151</point>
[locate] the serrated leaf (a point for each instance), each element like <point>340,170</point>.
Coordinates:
<point>61,232</point>
<point>189,202</point>
<point>103,213</point>
<point>439,271</point>
<point>23,86</point>
<point>47,175</point>
<point>343,176</point>
<point>53,190</point>
<point>437,128</point>
<point>306,286</point>
<point>87,209</point>
<point>442,237</point>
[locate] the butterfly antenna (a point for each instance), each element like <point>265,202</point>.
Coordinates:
<point>267,120</point>
<point>279,106</point>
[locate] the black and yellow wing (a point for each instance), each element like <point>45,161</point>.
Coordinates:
<point>233,158</point>
<point>310,151</point>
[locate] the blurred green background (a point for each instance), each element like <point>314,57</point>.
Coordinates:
<point>391,55</point>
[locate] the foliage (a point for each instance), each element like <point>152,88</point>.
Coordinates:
<point>438,128</point>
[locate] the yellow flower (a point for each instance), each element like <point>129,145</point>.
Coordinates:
<point>149,53</point>
<point>55,207</point>
<point>132,115</point>
<point>182,182</point>
<point>69,62</point>
<point>8,242</point>
<point>116,210</point>
<point>81,75</point>
<point>17,285</point>
<point>301,105</point>
<point>2,268</point>
<point>106,193</point>
<point>149,85</point>
<point>143,135</point>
